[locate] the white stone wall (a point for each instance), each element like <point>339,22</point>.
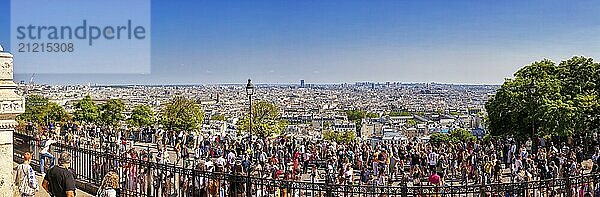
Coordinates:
<point>11,105</point>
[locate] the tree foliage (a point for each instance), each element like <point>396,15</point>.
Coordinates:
<point>411,123</point>
<point>218,117</point>
<point>56,113</point>
<point>181,114</point>
<point>372,115</point>
<point>354,115</point>
<point>339,137</point>
<point>454,136</point>
<point>547,99</point>
<point>400,113</point>
<point>142,116</point>
<point>111,112</point>
<point>86,110</point>
<point>35,106</point>
<point>266,120</point>
<point>39,110</point>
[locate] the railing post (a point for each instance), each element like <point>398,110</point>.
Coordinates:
<point>248,186</point>
<point>404,186</point>
<point>569,192</point>
<point>482,186</point>
<point>327,184</point>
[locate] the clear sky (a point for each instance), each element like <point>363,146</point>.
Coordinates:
<point>336,41</point>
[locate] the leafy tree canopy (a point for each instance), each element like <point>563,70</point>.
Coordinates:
<point>142,116</point>
<point>454,136</point>
<point>400,113</point>
<point>86,110</point>
<point>181,114</point>
<point>39,110</point>
<point>372,115</point>
<point>265,120</point>
<point>547,99</point>
<point>111,112</point>
<point>219,117</point>
<point>35,106</point>
<point>339,137</point>
<point>354,115</point>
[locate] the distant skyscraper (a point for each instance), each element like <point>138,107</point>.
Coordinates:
<point>302,83</point>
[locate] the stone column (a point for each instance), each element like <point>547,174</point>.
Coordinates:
<point>11,105</point>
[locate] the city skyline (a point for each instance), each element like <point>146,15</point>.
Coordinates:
<point>327,42</point>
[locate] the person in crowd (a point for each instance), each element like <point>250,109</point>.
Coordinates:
<point>434,179</point>
<point>376,163</point>
<point>45,153</point>
<point>27,184</point>
<point>109,185</point>
<point>60,181</point>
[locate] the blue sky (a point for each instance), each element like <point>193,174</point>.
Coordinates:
<point>475,42</point>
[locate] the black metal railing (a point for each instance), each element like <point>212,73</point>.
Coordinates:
<point>146,178</point>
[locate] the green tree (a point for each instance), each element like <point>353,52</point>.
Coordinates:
<point>39,110</point>
<point>455,113</point>
<point>111,112</point>
<point>339,137</point>
<point>218,117</point>
<point>454,136</point>
<point>547,99</point>
<point>347,137</point>
<point>56,113</point>
<point>411,123</point>
<point>266,120</point>
<point>35,108</point>
<point>580,80</point>
<point>181,114</point>
<point>354,115</point>
<point>142,116</point>
<point>439,138</point>
<point>372,115</point>
<point>461,135</point>
<point>86,110</point>
<point>329,135</point>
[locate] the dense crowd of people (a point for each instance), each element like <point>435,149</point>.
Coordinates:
<point>410,162</point>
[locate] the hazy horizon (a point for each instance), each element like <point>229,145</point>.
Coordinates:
<point>76,81</point>
<point>458,42</point>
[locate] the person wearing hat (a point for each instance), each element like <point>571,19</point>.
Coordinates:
<point>25,180</point>
<point>60,181</point>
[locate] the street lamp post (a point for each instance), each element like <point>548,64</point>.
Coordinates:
<point>249,92</point>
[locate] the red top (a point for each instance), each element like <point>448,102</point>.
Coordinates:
<point>434,179</point>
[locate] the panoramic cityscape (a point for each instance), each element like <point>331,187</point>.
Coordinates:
<point>294,99</point>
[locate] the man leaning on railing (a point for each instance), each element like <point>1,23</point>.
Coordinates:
<point>44,153</point>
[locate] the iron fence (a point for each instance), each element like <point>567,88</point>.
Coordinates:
<point>147,178</point>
